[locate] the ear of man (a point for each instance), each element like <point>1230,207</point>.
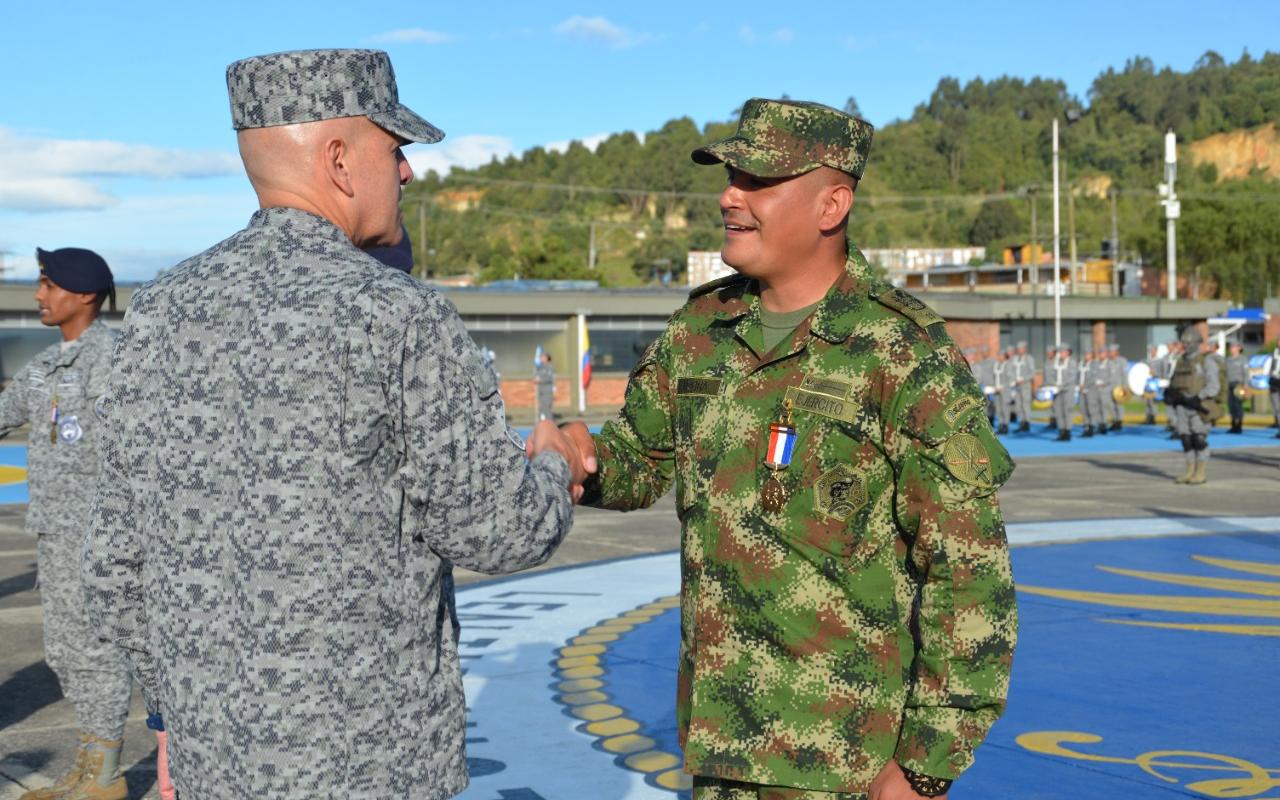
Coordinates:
<point>835,198</point>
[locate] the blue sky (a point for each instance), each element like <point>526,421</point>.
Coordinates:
<point>115,132</point>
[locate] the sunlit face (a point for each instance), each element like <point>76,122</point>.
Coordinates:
<point>379,173</point>
<point>57,305</point>
<point>765,221</point>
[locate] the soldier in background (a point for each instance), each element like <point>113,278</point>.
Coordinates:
<point>544,382</point>
<point>1155,367</point>
<point>1118,373</point>
<point>1175,353</point>
<point>1237,386</point>
<point>1064,373</point>
<point>1024,372</point>
<point>1002,373</point>
<point>984,374</point>
<point>1193,396</point>
<point>56,394</point>
<point>1273,384</point>
<point>298,446</point>
<point>1050,353</point>
<point>877,461</point>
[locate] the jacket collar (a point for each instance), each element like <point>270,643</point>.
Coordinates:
<point>96,331</point>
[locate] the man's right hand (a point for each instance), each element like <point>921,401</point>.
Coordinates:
<point>546,436</point>
<point>577,433</point>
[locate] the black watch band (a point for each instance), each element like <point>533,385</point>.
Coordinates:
<point>926,785</point>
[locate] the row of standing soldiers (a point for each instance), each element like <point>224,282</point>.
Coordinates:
<point>1008,378</point>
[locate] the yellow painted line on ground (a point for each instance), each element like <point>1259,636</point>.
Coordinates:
<point>10,475</point>
<point>1254,567</point>
<point>1228,606</point>
<point>1265,588</point>
<point>585,696</point>
<point>1239,630</point>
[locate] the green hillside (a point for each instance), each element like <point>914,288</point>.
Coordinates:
<point>965,168</point>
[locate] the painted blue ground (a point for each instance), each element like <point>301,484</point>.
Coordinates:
<point>13,455</point>
<point>1141,690</point>
<point>1132,439</point>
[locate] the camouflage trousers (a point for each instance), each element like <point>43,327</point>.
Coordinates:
<point>705,788</point>
<point>94,674</point>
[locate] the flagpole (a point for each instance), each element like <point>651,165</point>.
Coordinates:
<point>582,361</point>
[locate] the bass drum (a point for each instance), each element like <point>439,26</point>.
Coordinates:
<point>1044,397</point>
<point>1137,377</point>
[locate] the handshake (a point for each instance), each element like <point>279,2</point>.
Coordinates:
<point>572,441</point>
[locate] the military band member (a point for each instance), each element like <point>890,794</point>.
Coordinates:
<point>1050,353</point>
<point>1273,385</point>
<point>1117,372</point>
<point>984,373</point>
<point>1155,367</point>
<point>1063,372</point>
<point>1003,375</point>
<point>299,444</point>
<point>1237,386</point>
<point>819,475</point>
<point>1024,373</point>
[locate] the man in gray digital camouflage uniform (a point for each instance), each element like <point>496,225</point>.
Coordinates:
<point>55,394</point>
<point>1193,401</point>
<point>299,445</point>
<point>1024,373</point>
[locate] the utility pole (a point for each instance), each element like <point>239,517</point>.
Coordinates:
<point>1057,256</point>
<point>1033,257</point>
<point>1115,246</point>
<point>1172,210</point>
<point>591,249</point>
<point>1071,234</point>
<point>422,233</point>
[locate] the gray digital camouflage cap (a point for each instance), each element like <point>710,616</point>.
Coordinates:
<point>314,85</point>
<point>781,138</point>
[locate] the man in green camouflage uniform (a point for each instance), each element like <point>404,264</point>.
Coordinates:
<point>809,559</point>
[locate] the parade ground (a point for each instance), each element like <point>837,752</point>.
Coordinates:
<point>1147,663</point>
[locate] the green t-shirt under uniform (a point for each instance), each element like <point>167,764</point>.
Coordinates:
<point>779,325</point>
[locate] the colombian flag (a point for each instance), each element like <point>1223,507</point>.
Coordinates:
<point>585,345</point>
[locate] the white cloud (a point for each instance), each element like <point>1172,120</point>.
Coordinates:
<point>590,142</point>
<point>599,29</point>
<point>465,152</point>
<point>781,36</point>
<point>52,174</point>
<point>411,36</point>
<point>137,236</point>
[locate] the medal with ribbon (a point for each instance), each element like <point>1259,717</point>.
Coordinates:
<point>782,440</point>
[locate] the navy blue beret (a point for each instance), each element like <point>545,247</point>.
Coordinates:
<point>75,269</point>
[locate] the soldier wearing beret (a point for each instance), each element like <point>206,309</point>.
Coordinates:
<point>836,478</point>
<point>299,444</point>
<point>55,394</point>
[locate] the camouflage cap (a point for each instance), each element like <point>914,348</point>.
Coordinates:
<point>1191,336</point>
<point>314,85</point>
<point>781,138</point>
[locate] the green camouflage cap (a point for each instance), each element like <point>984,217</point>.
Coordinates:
<point>781,138</point>
<point>314,85</point>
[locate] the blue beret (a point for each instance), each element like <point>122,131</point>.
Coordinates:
<point>75,269</point>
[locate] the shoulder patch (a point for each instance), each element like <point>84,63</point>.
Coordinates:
<point>718,283</point>
<point>908,305</point>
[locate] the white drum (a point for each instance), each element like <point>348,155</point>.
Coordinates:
<point>1137,377</point>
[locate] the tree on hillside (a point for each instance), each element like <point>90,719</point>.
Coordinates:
<point>996,220</point>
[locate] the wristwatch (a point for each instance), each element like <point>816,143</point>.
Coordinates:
<point>926,785</point>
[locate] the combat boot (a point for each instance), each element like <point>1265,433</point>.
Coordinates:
<point>68,781</point>
<point>1198,474</point>
<point>1024,427</point>
<point>1102,429</point>
<point>1150,420</point>
<point>1117,425</point>
<point>1088,432</point>
<point>102,779</point>
<point>1003,429</point>
<point>1185,477</point>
